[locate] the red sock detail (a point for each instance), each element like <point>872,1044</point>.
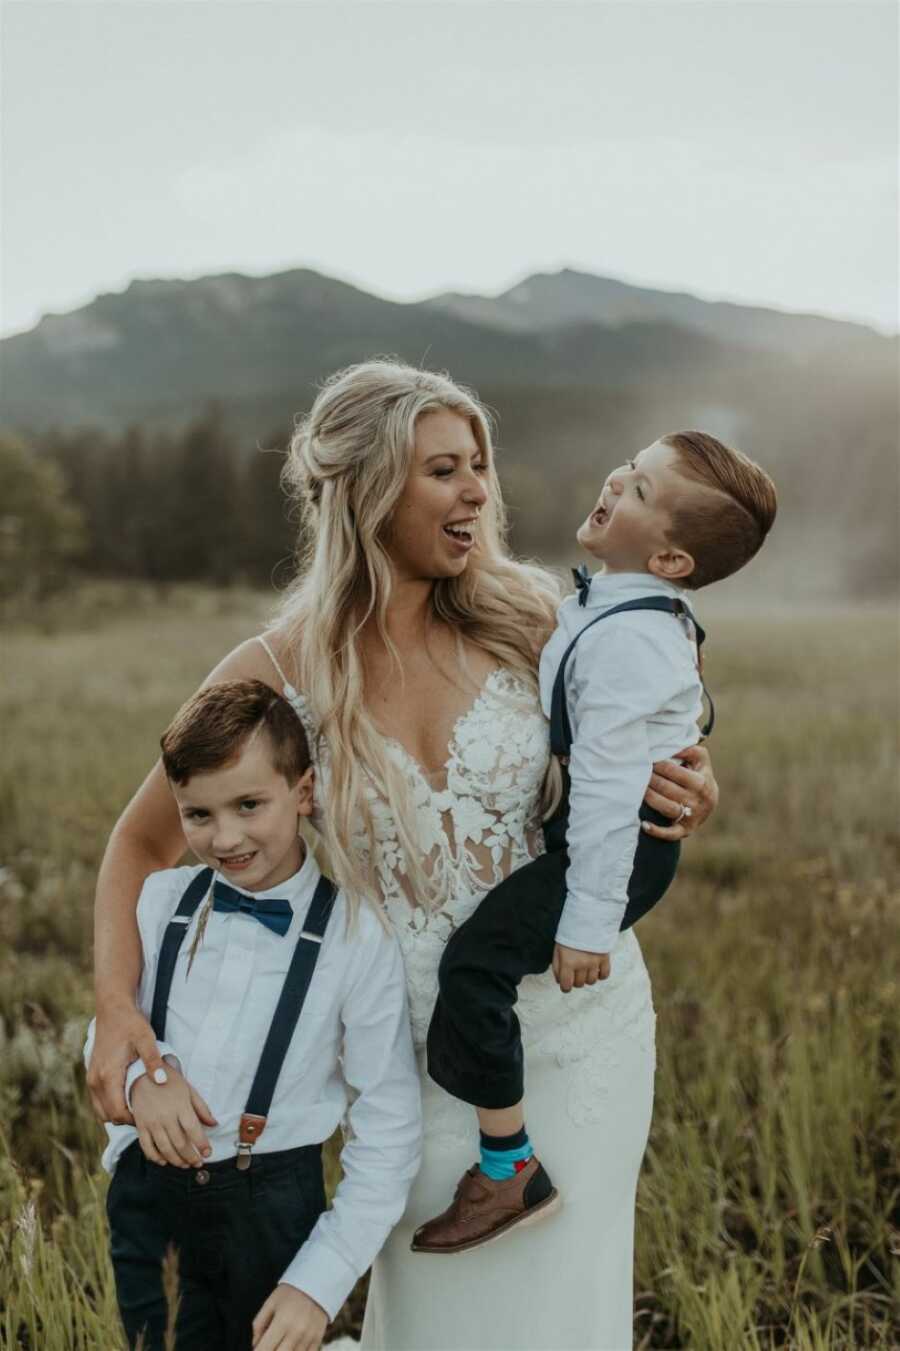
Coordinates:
<point>521,1163</point>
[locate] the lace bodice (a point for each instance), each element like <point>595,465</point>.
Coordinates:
<point>477,820</point>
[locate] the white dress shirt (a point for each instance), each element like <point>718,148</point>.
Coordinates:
<point>634,696</point>
<point>351,1055</point>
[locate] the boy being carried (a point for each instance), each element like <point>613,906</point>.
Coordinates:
<point>268,1007</point>
<point>620,683</point>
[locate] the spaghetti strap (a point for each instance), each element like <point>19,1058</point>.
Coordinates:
<point>274,660</point>
<point>293,696</point>
<point>301,708</point>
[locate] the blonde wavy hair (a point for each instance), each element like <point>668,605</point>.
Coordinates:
<point>348,462</point>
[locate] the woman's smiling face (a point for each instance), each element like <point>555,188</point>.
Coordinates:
<point>434,524</point>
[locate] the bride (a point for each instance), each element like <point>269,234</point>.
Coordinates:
<point>408,645</point>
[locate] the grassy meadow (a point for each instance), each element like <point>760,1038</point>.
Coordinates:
<point>769,1209</point>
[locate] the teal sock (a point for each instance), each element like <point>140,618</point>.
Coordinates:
<point>502,1156</point>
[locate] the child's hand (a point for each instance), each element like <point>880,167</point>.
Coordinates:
<point>289,1321</point>
<point>170,1119</point>
<point>574,968</point>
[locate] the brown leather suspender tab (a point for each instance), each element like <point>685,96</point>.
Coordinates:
<point>251,1128</point>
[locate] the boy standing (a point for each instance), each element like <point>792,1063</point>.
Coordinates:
<point>270,1011</point>
<point>621,686</point>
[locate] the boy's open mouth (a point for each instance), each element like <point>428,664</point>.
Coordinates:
<point>237,860</point>
<point>599,516</point>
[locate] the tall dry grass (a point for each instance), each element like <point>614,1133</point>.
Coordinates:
<point>768,1208</point>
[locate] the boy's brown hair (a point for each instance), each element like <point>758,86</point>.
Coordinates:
<point>723,534</point>
<point>214,726</point>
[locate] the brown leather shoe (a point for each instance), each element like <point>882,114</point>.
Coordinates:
<point>483,1209</point>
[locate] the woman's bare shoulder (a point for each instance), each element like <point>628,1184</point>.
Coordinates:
<point>266,656</point>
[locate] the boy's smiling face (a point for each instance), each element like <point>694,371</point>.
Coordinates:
<point>242,818</point>
<point>628,527</point>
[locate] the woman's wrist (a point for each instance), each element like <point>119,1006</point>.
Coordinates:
<point>115,1002</point>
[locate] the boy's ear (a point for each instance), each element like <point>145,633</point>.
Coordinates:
<point>672,566</point>
<point>304,789</point>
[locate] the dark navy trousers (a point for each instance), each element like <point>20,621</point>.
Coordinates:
<point>474,1040</point>
<point>234,1233</point>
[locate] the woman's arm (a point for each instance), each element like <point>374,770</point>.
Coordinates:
<point>146,837</point>
<point>673,786</point>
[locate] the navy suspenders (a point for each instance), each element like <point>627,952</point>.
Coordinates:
<point>287,1011</point>
<point>171,946</point>
<point>285,1018</point>
<point>560,726</point>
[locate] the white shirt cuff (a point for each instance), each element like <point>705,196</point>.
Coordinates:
<point>136,1070</point>
<point>323,1274</point>
<point>593,927</point>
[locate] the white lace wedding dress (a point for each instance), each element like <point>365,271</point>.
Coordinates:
<point>565,1282</point>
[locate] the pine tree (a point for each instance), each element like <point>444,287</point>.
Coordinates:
<point>41,531</point>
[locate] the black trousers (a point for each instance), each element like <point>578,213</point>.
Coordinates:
<point>234,1235</point>
<point>474,1040</point>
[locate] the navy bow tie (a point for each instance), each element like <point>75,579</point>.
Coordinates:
<point>274,914</point>
<point>582,579</point>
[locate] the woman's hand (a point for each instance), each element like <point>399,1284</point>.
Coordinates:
<point>122,1035</point>
<point>674,787</point>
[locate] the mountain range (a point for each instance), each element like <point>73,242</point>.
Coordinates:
<point>548,301</point>
<point>580,370</point>
<point>162,349</point>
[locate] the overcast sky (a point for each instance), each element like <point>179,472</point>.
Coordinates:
<point>737,150</point>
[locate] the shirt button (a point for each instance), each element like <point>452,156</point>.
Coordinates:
<point>202,1177</point>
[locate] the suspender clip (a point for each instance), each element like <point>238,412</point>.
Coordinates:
<point>251,1129</point>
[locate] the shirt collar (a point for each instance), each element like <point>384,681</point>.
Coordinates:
<point>613,588</point>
